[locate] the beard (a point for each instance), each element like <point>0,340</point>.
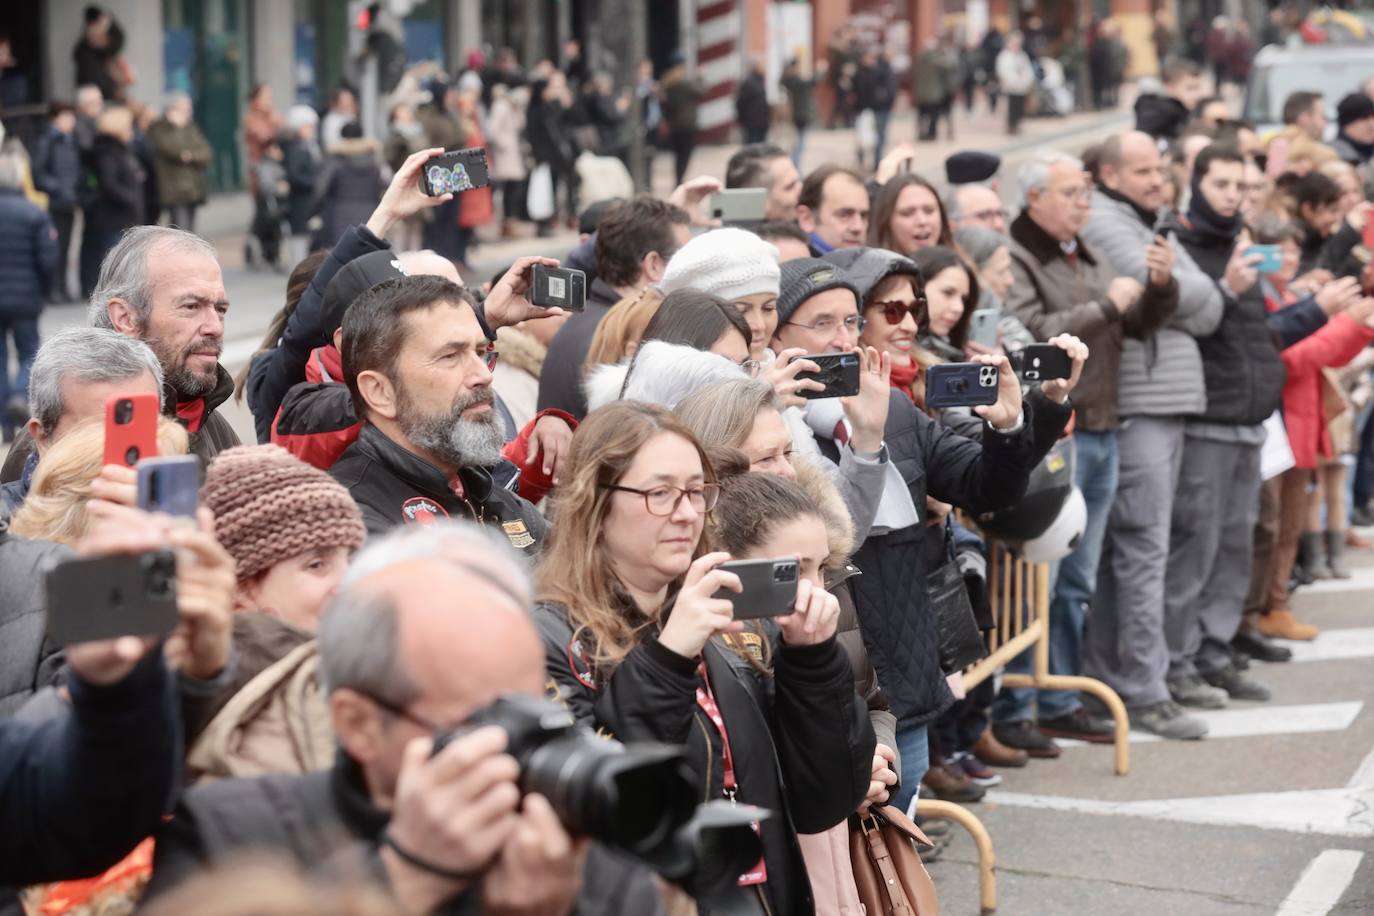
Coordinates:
<point>176,371</point>
<point>450,436</point>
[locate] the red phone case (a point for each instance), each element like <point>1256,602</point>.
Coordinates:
<point>130,428</point>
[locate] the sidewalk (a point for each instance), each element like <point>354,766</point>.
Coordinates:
<point>224,218</point>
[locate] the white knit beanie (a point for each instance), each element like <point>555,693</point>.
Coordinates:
<point>729,263</point>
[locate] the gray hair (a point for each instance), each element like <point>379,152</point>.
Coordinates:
<point>124,273</point>
<point>84,355</point>
<point>359,645</point>
<point>1034,174</point>
<point>979,242</point>
<point>11,170</point>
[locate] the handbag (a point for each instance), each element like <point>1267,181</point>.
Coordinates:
<point>961,642</point>
<point>539,203</point>
<point>888,872</point>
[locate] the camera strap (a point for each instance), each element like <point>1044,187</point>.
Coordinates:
<point>706,699</point>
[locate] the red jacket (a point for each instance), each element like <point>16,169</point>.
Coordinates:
<point>1304,409</point>
<point>317,423</point>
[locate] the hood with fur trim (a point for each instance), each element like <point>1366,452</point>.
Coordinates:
<point>521,350</point>
<point>660,373</point>
<point>839,525</point>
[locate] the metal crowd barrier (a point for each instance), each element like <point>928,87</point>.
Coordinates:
<point>1020,595</point>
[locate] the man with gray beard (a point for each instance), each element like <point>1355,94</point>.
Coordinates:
<point>418,366</point>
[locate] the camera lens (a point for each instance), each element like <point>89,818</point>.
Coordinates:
<point>124,411</point>
<point>131,455</point>
<point>785,573</point>
<point>632,798</point>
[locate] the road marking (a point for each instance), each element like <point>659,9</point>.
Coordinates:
<point>1364,774</point>
<point>1347,812</point>
<point>1322,884</point>
<point>1253,721</point>
<point>1330,645</point>
<point>1361,579</point>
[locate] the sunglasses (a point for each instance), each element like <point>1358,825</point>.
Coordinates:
<point>895,311</point>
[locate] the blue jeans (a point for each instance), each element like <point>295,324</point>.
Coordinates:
<point>1075,581</point>
<point>880,119</point>
<point>913,744</point>
<point>799,143</point>
<point>25,334</point>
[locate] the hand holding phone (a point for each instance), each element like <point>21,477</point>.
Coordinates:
<point>131,428</point>
<point>1042,362</point>
<point>558,288</point>
<point>769,587</point>
<point>839,374</point>
<point>1268,258</point>
<point>961,385</point>
<point>455,171</point>
<point>1075,351</point>
<point>739,205</point>
<point>698,614</point>
<point>509,303</point>
<point>815,617</point>
<point>107,597</point>
<point>170,485</point>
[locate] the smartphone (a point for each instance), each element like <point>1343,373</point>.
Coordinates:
<point>740,205</point>
<point>558,287</point>
<point>839,373</point>
<point>961,385</point>
<point>130,428</point>
<point>1272,255</point>
<point>770,587</point>
<point>1042,362</point>
<point>106,597</point>
<point>982,327</point>
<point>170,485</point>
<point>455,171</point>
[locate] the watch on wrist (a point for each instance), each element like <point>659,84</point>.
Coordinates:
<point>1013,429</point>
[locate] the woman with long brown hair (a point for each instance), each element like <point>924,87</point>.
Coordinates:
<point>908,215</point>
<point>639,646</point>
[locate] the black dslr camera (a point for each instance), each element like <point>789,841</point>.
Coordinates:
<point>640,798</point>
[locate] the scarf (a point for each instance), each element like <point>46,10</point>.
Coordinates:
<point>1364,150</point>
<point>191,414</point>
<point>1148,217</point>
<point>1208,222</point>
<point>896,509</point>
<point>903,377</point>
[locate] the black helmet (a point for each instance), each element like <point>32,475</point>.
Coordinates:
<point>1050,485</point>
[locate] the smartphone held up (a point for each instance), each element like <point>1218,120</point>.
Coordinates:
<point>455,171</point>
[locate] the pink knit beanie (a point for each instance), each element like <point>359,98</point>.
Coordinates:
<point>269,506</point>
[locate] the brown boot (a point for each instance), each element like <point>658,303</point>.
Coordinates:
<point>996,754</point>
<point>1281,624</point>
<point>950,783</point>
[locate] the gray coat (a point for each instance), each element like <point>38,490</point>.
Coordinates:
<point>1161,375</point>
<point>27,661</point>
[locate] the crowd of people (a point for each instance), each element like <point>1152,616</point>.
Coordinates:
<point>460,503</point>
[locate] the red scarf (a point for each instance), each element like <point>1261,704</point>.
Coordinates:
<point>903,377</point>
<point>191,414</point>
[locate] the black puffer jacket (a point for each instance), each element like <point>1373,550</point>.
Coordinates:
<point>28,256</point>
<point>393,487</point>
<point>348,189</point>
<point>894,606</point>
<point>801,739</point>
<point>112,196</point>
<point>1240,360</point>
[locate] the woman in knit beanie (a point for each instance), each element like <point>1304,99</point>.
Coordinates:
<point>740,268</point>
<point>289,527</point>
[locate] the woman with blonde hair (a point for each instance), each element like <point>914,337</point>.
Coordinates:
<point>639,646</point>
<point>618,334</point>
<point>68,476</point>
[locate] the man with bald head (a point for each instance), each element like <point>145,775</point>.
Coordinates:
<point>976,205</point>
<point>451,832</point>
<point>1162,385</point>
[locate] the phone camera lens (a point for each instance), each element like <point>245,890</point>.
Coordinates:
<point>131,456</point>
<point>124,411</point>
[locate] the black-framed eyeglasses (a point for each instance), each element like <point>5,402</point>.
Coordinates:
<point>987,216</point>
<point>401,712</point>
<point>829,324</point>
<point>663,500</point>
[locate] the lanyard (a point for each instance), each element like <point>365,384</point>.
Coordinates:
<point>707,701</point>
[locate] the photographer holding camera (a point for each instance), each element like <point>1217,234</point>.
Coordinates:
<point>444,832</point>
<point>640,647</point>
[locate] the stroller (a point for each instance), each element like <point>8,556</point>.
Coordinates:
<point>1054,97</point>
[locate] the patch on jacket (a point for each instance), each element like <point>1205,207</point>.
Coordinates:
<point>422,511</point>
<point>748,642</point>
<point>580,663</point>
<point>518,535</point>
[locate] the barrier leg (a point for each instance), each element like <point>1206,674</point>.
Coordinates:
<point>987,859</point>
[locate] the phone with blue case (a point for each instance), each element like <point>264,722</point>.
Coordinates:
<point>961,385</point>
<point>1273,258</point>
<point>170,485</point>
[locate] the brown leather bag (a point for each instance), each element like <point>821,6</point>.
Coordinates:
<point>888,871</point>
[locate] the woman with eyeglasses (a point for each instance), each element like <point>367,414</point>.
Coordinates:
<point>639,646</point>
